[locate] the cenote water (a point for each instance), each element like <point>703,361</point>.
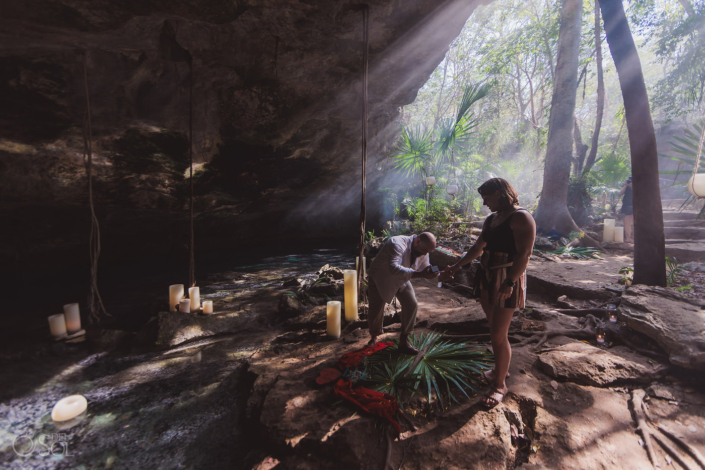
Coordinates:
<point>133,291</point>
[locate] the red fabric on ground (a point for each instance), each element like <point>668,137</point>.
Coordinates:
<point>353,358</point>
<point>381,404</point>
<point>328,375</point>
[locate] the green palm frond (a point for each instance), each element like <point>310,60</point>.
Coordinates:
<point>445,366</point>
<point>454,133</point>
<point>413,150</point>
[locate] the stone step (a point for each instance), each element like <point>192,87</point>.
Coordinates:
<point>692,233</point>
<point>680,215</point>
<point>685,223</point>
<point>686,252</point>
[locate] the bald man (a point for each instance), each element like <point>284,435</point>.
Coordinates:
<point>401,259</point>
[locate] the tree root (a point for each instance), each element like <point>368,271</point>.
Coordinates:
<point>588,332</point>
<point>643,418</point>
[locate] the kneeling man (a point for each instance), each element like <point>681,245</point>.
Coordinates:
<point>401,259</point>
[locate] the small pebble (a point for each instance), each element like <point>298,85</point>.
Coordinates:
<point>692,429</point>
<point>554,384</point>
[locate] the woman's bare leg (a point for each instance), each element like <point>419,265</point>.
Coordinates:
<point>499,329</point>
<point>628,232</point>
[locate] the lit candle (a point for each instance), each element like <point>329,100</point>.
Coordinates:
<point>185,305</point>
<point>73,318</point>
<point>613,317</point>
<point>364,265</point>
<point>176,293</point>
<point>350,278</point>
<point>194,294</point>
<point>601,338</point>
<point>608,231</point>
<point>619,234</point>
<point>208,307</point>
<point>57,325</point>
<point>69,407</point>
<point>333,319</point>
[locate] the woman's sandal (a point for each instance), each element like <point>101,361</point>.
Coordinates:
<point>496,396</point>
<point>484,380</point>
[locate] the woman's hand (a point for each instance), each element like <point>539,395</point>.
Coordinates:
<point>504,292</point>
<point>446,275</point>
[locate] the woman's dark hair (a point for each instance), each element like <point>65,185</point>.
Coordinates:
<point>507,194</point>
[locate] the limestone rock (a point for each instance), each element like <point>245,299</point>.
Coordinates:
<point>176,327</point>
<point>330,272</point>
<point>290,306</point>
<point>670,319</point>
<point>585,364</point>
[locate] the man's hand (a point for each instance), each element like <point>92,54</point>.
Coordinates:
<point>504,292</point>
<point>447,274</point>
<point>427,273</point>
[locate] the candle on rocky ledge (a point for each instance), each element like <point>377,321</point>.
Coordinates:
<point>73,318</point>
<point>350,279</point>
<point>608,230</point>
<point>176,293</point>
<point>185,305</point>
<point>69,407</point>
<point>57,325</point>
<point>619,234</point>
<point>613,317</point>
<point>194,294</point>
<point>600,334</point>
<point>333,319</point>
<point>207,307</point>
<point>364,265</point>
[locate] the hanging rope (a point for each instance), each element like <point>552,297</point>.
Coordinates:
<point>191,264</point>
<point>95,303</point>
<point>365,76</point>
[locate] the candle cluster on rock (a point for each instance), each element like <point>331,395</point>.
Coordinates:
<point>207,307</point>
<point>73,318</point>
<point>608,230</point>
<point>57,325</point>
<point>176,293</point>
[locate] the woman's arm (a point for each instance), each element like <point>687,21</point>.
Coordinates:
<point>524,229</point>
<point>472,254</point>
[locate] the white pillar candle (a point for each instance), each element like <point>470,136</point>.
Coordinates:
<point>176,293</point>
<point>333,319</point>
<point>350,278</point>
<point>57,325</point>
<point>619,234</point>
<point>608,231</point>
<point>364,265</point>
<point>73,318</point>
<point>208,307</point>
<point>185,306</point>
<point>194,294</point>
<point>69,407</point>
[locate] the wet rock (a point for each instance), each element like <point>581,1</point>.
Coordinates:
<point>543,244</point>
<point>588,365</point>
<point>176,327</point>
<point>670,319</point>
<point>293,282</point>
<point>290,306</point>
<point>109,339</point>
<point>330,272</point>
<point>329,289</point>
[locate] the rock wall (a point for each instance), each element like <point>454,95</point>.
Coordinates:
<point>276,114</point>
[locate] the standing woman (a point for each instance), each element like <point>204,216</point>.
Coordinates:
<point>506,244</point>
<point>628,210</point>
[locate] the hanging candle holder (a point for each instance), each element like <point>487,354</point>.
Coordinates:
<point>430,180</point>
<point>379,166</point>
<point>452,189</point>
<point>696,185</point>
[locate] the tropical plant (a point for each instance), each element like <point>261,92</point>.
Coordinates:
<point>413,150</point>
<point>672,270</point>
<point>454,133</point>
<point>579,252</point>
<point>445,365</point>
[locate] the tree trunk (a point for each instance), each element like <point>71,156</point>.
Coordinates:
<point>552,212</point>
<point>649,239</point>
<point>580,149</point>
<point>600,93</point>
